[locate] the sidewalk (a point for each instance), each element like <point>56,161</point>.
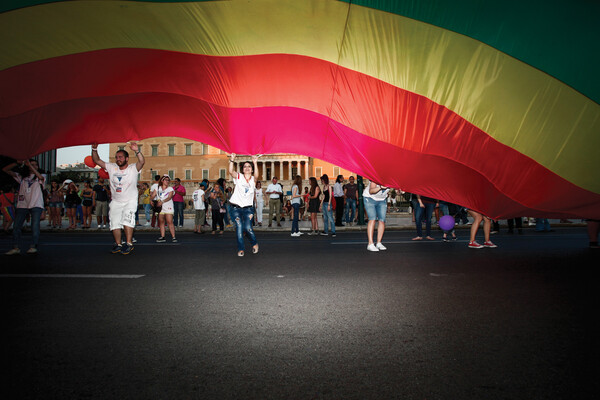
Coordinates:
<point>394,221</point>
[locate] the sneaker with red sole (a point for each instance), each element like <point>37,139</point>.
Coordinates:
<point>489,244</point>
<point>475,245</point>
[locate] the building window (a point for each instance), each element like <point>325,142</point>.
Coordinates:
<point>121,148</point>
<point>204,174</point>
<point>294,172</point>
<point>188,174</point>
<point>336,172</point>
<point>188,149</point>
<point>171,174</point>
<point>222,173</point>
<point>171,149</point>
<point>154,150</point>
<point>318,173</point>
<point>203,148</point>
<point>222,152</point>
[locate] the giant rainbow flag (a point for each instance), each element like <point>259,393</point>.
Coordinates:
<point>489,104</point>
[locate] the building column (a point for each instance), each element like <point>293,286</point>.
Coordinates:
<point>280,169</point>
<point>272,169</point>
<point>306,175</point>
<point>290,170</point>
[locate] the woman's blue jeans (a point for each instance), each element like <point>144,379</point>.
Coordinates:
<point>328,219</point>
<point>21,215</point>
<point>296,215</point>
<point>243,224</point>
<point>428,211</point>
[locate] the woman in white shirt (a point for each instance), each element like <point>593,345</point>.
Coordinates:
<point>375,198</point>
<point>165,201</point>
<point>242,200</point>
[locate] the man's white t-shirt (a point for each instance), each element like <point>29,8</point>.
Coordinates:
<point>274,188</point>
<point>167,207</point>
<point>198,202</point>
<point>30,192</point>
<point>243,194</point>
<point>154,188</point>
<point>123,183</point>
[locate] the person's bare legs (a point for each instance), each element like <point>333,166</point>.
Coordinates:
<point>380,230</point>
<point>117,235</point>
<point>370,230</point>
<point>128,233</point>
<point>169,218</point>
<point>161,224</point>
<point>477,220</point>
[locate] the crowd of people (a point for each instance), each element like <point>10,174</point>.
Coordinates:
<point>118,205</point>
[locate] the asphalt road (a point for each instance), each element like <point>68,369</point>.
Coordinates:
<point>306,318</point>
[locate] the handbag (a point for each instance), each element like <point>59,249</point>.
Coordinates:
<point>332,201</point>
<point>155,207</point>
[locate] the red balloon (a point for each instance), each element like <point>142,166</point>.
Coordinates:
<point>89,162</point>
<point>102,173</point>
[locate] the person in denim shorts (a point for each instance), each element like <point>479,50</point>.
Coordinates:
<point>375,198</point>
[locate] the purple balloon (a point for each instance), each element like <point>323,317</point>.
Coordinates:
<point>447,222</point>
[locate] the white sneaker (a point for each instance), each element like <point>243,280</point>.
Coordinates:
<point>294,234</point>
<point>32,250</point>
<point>300,233</point>
<point>380,246</point>
<point>372,247</point>
<point>147,224</point>
<point>13,252</point>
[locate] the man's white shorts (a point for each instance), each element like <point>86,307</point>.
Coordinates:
<point>122,214</point>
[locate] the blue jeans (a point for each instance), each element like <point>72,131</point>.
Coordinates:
<point>296,215</point>
<point>328,218</point>
<point>243,224</point>
<point>21,215</point>
<point>178,214</point>
<point>228,208</point>
<point>147,210</point>
<point>428,211</point>
<point>350,205</point>
<point>542,224</point>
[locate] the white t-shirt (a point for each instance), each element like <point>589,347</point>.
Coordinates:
<point>167,206</point>
<point>153,188</point>
<point>259,195</point>
<point>198,202</point>
<point>381,195</point>
<point>123,183</point>
<point>30,192</point>
<point>274,188</point>
<point>243,194</point>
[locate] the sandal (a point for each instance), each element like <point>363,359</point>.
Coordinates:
<point>255,249</point>
<point>417,238</point>
<point>241,253</point>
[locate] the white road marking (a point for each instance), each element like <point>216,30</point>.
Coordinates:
<point>100,276</point>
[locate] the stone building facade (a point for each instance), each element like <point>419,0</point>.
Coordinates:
<point>193,161</point>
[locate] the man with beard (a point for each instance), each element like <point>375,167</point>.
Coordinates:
<point>123,180</point>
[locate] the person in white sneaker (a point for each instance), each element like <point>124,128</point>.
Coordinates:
<point>200,209</point>
<point>100,202</point>
<point>296,196</point>
<point>242,202</point>
<point>375,198</point>
<point>123,179</point>
<point>30,199</point>
<point>487,225</point>
<point>165,196</point>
